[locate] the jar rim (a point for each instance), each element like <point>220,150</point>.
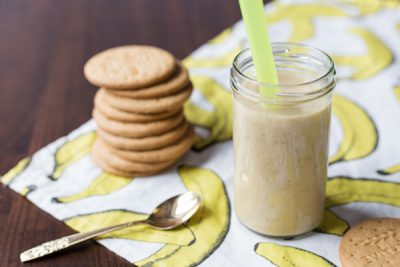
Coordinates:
<point>280,48</point>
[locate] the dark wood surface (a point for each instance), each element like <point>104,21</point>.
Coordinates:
<point>43,94</point>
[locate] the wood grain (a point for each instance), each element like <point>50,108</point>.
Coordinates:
<point>43,94</point>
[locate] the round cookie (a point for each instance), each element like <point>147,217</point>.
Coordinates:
<point>129,67</point>
<point>136,130</point>
<point>120,115</point>
<point>99,151</point>
<point>146,143</point>
<point>171,152</point>
<point>104,165</point>
<point>147,106</point>
<point>175,83</point>
<point>373,242</point>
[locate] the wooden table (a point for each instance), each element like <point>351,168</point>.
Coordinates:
<point>43,94</point>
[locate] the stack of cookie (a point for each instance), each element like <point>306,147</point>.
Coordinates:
<point>138,110</point>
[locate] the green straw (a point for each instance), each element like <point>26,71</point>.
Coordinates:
<point>260,45</point>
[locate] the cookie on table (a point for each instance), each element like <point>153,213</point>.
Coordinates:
<point>146,143</point>
<point>124,116</point>
<point>373,242</point>
<point>136,130</point>
<point>175,83</point>
<point>172,152</point>
<point>129,67</point>
<point>147,106</point>
<point>103,155</point>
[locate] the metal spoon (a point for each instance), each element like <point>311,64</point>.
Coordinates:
<point>169,214</point>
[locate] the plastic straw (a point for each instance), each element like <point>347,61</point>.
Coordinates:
<point>260,45</point>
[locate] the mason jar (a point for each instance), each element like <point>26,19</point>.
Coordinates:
<point>281,139</point>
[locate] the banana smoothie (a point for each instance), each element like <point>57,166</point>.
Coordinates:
<point>281,156</point>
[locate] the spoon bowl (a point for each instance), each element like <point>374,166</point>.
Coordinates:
<point>174,211</point>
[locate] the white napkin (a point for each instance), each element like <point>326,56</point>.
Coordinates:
<point>362,36</point>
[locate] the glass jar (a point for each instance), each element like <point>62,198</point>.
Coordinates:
<point>281,140</point>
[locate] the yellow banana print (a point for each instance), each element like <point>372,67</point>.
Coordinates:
<point>390,170</point>
<point>285,256</point>
<point>395,168</point>
<point>224,60</point>
<point>205,120</point>
<point>14,172</point>
<point>218,121</point>
<point>209,225</point>
<point>332,224</point>
<point>397,92</point>
<point>360,135</point>
<point>371,6</point>
<point>222,37</point>
<point>300,18</point>
<point>26,190</point>
<point>181,236</point>
<point>71,151</point>
<point>365,66</point>
<point>104,184</point>
<point>343,190</point>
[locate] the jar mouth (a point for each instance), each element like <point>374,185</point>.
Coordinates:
<point>323,78</point>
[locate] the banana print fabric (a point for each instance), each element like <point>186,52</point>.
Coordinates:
<point>363,38</point>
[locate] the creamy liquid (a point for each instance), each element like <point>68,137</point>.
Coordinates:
<point>280,165</point>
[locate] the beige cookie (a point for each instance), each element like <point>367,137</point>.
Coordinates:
<point>121,115</point>
<point>174,84</point>
<point>168,153</point>
<point>148,106</point>
<point>128,67</point>
<point>136,130</point>
<point>103,155</point>
<point>146,143</point>
<point>373,242</point>
<point>106,167</point>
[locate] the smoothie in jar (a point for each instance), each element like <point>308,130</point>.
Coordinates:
<point>281,142</point>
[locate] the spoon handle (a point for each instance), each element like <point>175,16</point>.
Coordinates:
<point>68,241</point>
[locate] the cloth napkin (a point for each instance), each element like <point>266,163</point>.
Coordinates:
<point>363,38</point>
